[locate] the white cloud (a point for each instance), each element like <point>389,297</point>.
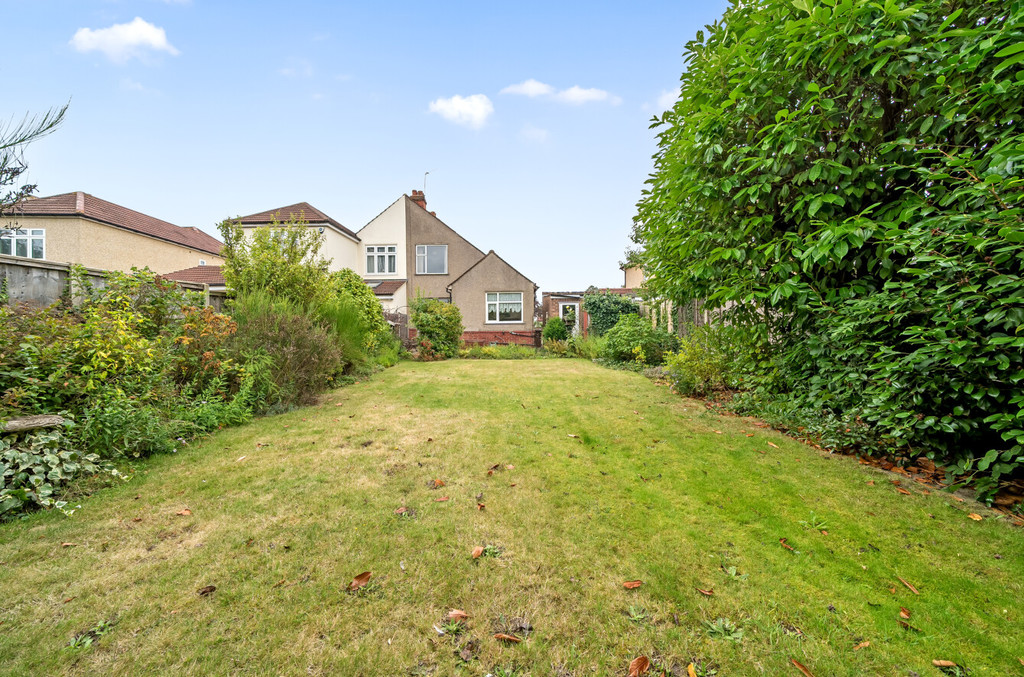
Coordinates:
<point>577,95</point>
<point>531,133</point>
<point>471,111</point>
<point>667,99</point>
<point>530,88</point>
<point>121,42</point>
<point>297,68</point>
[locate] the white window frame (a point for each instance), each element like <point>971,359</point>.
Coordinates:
<point>378,252</point>
<point>423,257</point>
<point>497,311</point>
<point>561,316</point>
<point>27,234</point>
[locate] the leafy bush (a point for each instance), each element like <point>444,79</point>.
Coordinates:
<point>554,330</point>
<point>633,339</point>
<point>281,260</point>
<point>304,357</point>
<point>859,197</point>
<point>605,309</point>
<point>36,467</point>
<point>507,352</point>
<point>438,323</point>
<point>349,286</point>
<point>587,347</point>
<point>557,348</point>
<point>709,357</point>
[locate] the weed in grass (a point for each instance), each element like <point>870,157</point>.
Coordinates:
<point>86,638</point>
<point>469,650</point>
<point>704,668</point>
<point>452,627</point>
<point>372,590</point>
<point>953,670</point>
<point>723,628</point>
<point>733,573</point>
<point>814,522</point>
<point>491,551</point>
<point>637,614</point>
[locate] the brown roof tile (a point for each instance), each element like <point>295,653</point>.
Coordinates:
<point>386,287</point>
<point>91,207</point>
<point>300,210</point>
<point>211,275</point>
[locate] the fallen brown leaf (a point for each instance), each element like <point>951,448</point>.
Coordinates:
<point>477,551</point>
<point>903,491</point>
<point>718,432</point>
<point>975,516</point>
<point>443,498</point>
<point>279,583</point>
<point>575,437</point>
<point>360,580</point>
<point>691,671</point>
<point>438,484</point>
<point>904,613</point>
<point>748,435</point>
<point>68,600</point>
<point>639,666</point>
<point>510,467</point>
<point>402,510</point>
<point>800,667</point>
<point>775,446</point>
<point>785,545</point>
<point>206,591</point>
<point>892,590</point>
<point>706,593</point>
<point>457,615</point>
<point>908,626</point>
<point>946,664</point>
<point>240,458</point>
<point>68,545</point>
<point>480,506</point>
<point>511,639</point>
<point>958,499</point>
<point>632,585</point>
<point>136,519</point>
<point>184,513</point>
<point>862,645</point>
<point>912,588</point>
<point>871,483</point>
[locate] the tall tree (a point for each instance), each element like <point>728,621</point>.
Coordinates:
<point>846,174</point>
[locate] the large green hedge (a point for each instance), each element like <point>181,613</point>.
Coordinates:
<point>845,177</point>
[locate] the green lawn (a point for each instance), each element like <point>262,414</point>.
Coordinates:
<point>614,479</point>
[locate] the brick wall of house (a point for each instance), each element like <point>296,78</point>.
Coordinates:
<point>484,338</point>
<point>550,304</point>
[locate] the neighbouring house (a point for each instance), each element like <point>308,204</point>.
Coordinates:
<point>340,243</point>
<point>82,229</point>
<point>407,252</point>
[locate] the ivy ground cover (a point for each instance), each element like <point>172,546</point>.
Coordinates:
<point>246,553</point>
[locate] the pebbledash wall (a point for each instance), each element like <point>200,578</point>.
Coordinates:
<point>41,283</point>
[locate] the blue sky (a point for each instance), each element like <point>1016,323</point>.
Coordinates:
<point>195,110</point>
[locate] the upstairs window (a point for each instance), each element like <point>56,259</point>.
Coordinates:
<point>504,307</point>
<point>381,259</point>
<point>431,259</point>
<point>30,244</point>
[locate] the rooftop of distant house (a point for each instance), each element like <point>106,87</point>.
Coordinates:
<point>91,207</point>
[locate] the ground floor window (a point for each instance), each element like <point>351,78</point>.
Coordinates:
<point>504,306</point>
<point>28,243</point>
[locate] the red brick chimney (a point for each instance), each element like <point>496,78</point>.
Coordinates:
<point>419,198</point>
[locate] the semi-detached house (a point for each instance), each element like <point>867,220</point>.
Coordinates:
<point>407,252</point>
